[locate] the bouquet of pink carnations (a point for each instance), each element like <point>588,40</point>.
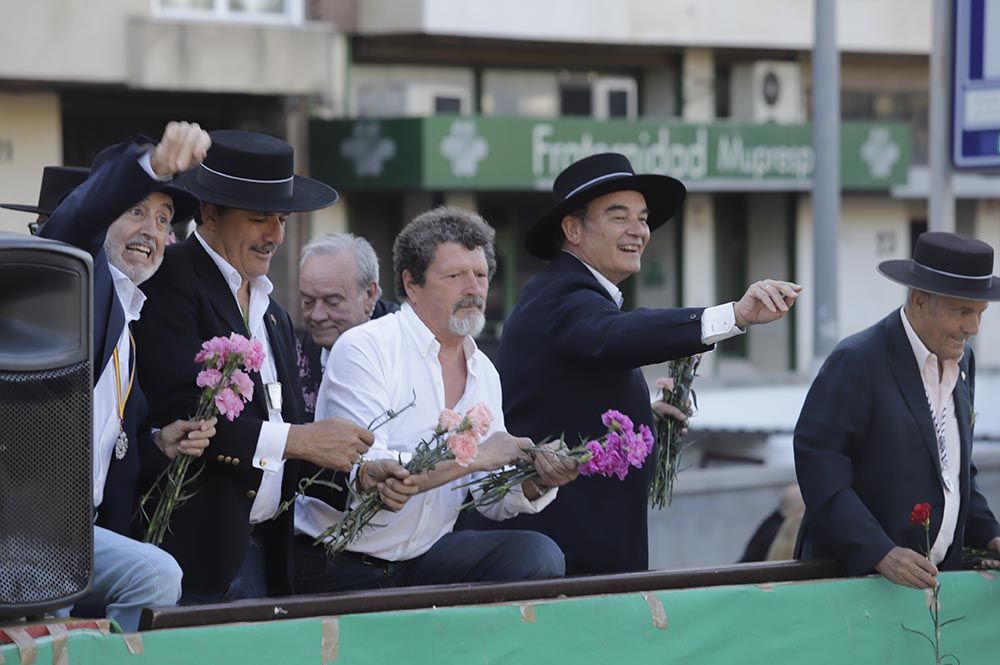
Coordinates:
<point>226,387</point>
<point>454,437</point>
<point>621,448</point>
<point>675,389</point>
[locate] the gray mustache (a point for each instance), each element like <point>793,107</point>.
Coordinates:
<point>470,301</point>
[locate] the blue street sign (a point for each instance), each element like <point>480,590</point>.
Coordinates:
<point>976,81</point>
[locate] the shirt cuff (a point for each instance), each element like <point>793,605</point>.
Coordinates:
<point>270,452</point>
<point>147,166</point>
<point>519,503</point>
<point>719,323</point>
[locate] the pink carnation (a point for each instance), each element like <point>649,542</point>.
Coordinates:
<point>464,445</point>
<point>208,378</point>
<point>254,358</point>
<point>616,421</point>
<point>449,420</point>
<point>665,383</point>
<point>242,384</point>
<point>213,352</point>
<point>480,418</point>
<point>228,403</point>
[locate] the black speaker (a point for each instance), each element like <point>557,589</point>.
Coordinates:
<point>46,408</point>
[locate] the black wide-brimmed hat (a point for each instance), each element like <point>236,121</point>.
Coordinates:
<point>253,171</point>
<point>57,182</point>
<point>596,176</point>
<point>947,264</point>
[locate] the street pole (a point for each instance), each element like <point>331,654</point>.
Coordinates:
<point>941,207</point>
<point>826,177</point>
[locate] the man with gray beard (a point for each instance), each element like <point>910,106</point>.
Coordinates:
<point>425,353</point>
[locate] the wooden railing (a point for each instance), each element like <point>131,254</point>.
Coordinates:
<point>409,598</point>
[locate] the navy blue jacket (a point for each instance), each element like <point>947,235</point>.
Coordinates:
<point>866,453</point>
<point>567,355</point>
<point>82,220</point>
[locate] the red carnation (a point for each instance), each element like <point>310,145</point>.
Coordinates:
<point>921,514</point>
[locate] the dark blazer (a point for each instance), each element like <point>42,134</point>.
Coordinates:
<point>568,354</point>
<point>82,220</point>
<point>188,303</point>
<point>866,453</point>
<point>310,368</point>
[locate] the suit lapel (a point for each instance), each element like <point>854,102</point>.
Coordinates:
<point>215,286</point>
<point>911,385</point>
<point>963,415</point>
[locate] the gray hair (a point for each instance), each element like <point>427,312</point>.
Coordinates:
<point>336,242</point>
<point>417,243</point>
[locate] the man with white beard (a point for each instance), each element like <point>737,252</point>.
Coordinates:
<point>443,261</point>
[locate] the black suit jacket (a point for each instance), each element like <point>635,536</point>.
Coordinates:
<point>188,303</point>
<point>567,355</point>
<point>866,453</point>
<point>82,220</point>
<point>310,367</point>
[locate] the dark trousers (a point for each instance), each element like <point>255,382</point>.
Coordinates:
<point>465,556</point>
<point>250,581</point>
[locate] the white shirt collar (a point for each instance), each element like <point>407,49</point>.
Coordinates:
<point>425,341</point>
<point>129,295</point>
<point>920,351</point>
<point>231,274</point>
<point>608,285</point>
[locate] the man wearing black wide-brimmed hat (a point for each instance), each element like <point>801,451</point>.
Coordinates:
<point>57,183</point>
<point>569,352</point>
<point>888,424</point>
<point>215,283</point>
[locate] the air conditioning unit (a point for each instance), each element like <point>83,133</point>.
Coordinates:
<point>411,98</point>
<point>766,91</point>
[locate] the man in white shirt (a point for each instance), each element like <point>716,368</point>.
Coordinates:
<point>230,537</point>
<point>888,424</point>
<point>569,353</point>
<point>122,214</point>
<point>443,261</point>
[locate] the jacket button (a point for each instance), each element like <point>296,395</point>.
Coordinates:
<point>693,316</point>
<point>228,459</point>
<point>251,494</point>
<point>221,458</point>
<point>236,461</point>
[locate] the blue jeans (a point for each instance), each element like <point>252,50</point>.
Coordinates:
<point>128,576</point>
<point>457,557</point>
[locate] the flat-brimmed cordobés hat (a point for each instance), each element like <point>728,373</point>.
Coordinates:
<point>57,183</point>
<point>253,171</point>
<point>947,264</point>
<point>595,176</point>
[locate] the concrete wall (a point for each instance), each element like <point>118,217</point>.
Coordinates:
<point>168,54</point>
<point>881,26</point>
<point>767,346</point>
<point>988,342</point>
<point>30,139</point>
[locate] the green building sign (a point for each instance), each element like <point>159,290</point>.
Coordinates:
<point>481,153</point>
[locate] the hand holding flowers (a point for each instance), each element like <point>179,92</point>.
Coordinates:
<point>226,386</point>
<point>671,426</point>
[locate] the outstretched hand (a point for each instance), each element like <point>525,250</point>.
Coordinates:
<point>188,437</point>
<point>183,146</point>
<point>765,301</point>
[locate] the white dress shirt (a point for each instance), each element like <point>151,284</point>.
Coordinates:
<point>106,423</point>
<point>379,366</point>
<point>269,455</point>
<point>940,393</point>
<point>718,323</point>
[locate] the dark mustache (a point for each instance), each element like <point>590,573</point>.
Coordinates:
<point>470,301</point>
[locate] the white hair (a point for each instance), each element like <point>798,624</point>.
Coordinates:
<point>363,253</point>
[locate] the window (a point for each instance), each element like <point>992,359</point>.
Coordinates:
<point>446,104</point>
<point>575,100</point>
<point>276,11</point>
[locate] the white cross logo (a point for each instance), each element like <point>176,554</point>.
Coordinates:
<point>464,149</point>
<point>879,152</point>
<point>368,149</point>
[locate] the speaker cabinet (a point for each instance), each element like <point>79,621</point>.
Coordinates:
<point>46,405</point>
